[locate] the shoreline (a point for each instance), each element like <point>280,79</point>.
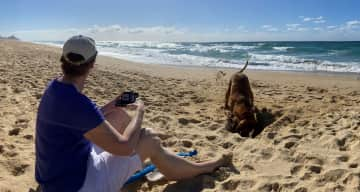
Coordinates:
<point>224,68</point>
<point>332,79</point>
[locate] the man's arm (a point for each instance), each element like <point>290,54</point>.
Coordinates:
<point>108,138</point>
<point>109,107</point>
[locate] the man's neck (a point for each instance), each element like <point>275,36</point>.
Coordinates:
<point>78,82</point>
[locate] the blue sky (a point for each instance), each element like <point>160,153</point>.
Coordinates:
<point>182,20</point>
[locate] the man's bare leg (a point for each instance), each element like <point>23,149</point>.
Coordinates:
<point>171,165</point>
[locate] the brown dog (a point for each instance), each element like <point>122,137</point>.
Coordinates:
<point>239,101</point>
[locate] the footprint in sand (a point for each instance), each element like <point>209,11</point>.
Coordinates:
<point>353,165</point>
<point>290,144</point>
<point>352,179</point>
<point>28,137</point>
<point>10,154</point>
<point>289,185</point>
<point>187,143</point>
<point>19,169</point>
<point>294,131</point>
<point>185,121</point>
<point>306,176</point>
<point>313,160</point>
<point>247,167</point>
<point>301,189</point>
<point>343,158</point>
<point>331,176</point>
<point>184,104</point>
<point>230,185</point>
<point>164,136</point>
<point>341,143</point>
<point>266,153</point>
<point>269,187</point>
<point>160,119</point>
<point>22,123</point>
<point>271,135</point>
<point>169,143</point>
<point>211,137</point>
<point>204,124</point>
<point>314,168</point>
<point>14,132</point>
<point>296,169</point>
<point>2,149</point>
<point>227,145</point>
<point>214,127</point>
<point>246,184</point>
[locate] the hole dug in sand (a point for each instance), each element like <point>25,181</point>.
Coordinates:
<point>264,117</point>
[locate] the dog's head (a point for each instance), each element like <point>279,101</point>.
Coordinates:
<point>244,115</point>
<point>248,122</point>
<point>242,126</point>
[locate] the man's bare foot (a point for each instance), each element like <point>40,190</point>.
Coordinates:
<point>223,161</point>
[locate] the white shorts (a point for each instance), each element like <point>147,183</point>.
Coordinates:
<point>107,172</point>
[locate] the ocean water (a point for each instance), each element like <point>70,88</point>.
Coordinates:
<point>294,56</point>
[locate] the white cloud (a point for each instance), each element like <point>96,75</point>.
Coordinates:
<point>300,29</point>
<point>133,30</point>
<point>295,31</point>
<point>226,30</point>
<point>270,28</point>
<point>113,32</point>
<point>318,20</point>
<point>296,27</point>
<point>347,27</point>
<point>240,27</point>
<point>353,24</point>
<point>318,29</point>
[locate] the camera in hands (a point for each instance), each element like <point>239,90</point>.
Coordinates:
<point>126,98</point>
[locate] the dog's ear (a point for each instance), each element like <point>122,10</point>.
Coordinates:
<point>227,95</point>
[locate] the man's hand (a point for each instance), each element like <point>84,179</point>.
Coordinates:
<point>138,106</point>
<point>109,107</point>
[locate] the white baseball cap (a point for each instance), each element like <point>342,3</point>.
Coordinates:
<point>81,45</point>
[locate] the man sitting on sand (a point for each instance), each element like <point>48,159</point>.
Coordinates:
<point>80,147</point>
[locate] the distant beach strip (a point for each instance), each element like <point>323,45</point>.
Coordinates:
<point>287,56</point>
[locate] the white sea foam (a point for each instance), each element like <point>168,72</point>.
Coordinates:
<point>244,47</point>
<point>200,54</point>
<point>282,48</point>
<point>53,44</point>
<point>283,62</point>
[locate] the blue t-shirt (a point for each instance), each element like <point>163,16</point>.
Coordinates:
<point>62,151</point>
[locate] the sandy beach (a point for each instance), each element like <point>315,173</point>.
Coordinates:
<point>311,141</point>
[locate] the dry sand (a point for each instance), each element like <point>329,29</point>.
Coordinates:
<point>311,144</point>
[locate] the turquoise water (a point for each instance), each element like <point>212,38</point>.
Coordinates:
<point>298,56</point>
